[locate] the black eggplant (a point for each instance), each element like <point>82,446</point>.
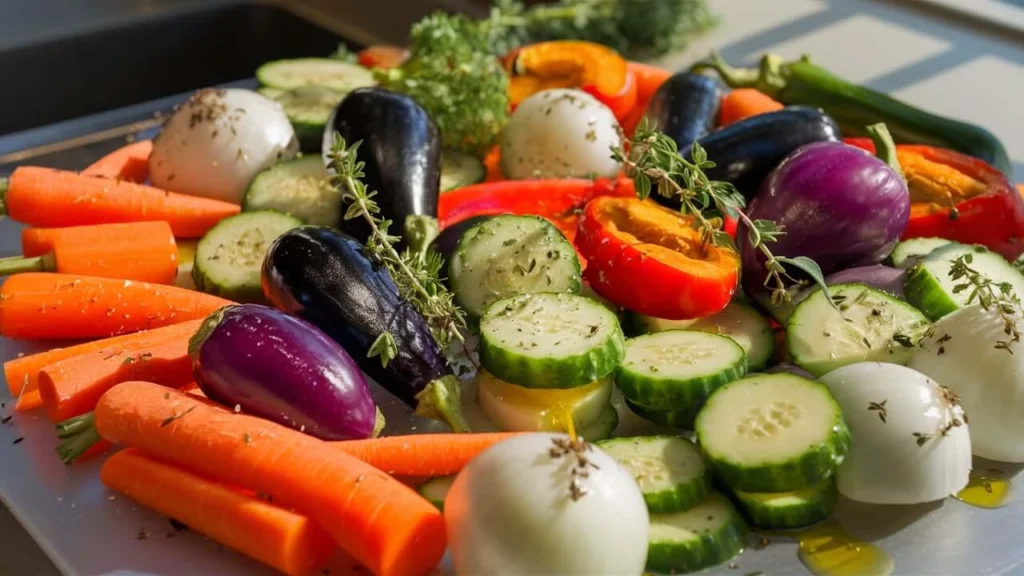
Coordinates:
<point>324,276</point>
<point>685,107</point>
<point>401,150</point>
<point>445,242</point>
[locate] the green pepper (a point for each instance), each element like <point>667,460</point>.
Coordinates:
<point>855,107</point>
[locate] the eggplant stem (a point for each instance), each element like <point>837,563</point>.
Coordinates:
<point>379,423</point>
<point>885,148</point>
<point>18,264</point>
<point>77,435</point>
<point>441,400</point>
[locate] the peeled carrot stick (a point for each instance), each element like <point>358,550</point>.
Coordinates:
<point>50,198</point>
<point>143,251</point>
<point>43,305</point>
<point>743,103</point>
<point>422,454</point>
<point>289,542</point>
<point>73,387</point>
<point>129,163</point>
<point>24,372</point>
<point>380,522</point>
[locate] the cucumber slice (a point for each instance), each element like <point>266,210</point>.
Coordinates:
<point>678,369</point>
<point>300,188</point>
<point>333,74</point>
<point>436,489</point>
<point>510,255</point>
<point>780,510</point>
<point>708,534</point>
<point>270,92</point>
<point>738,321</point>
<point>586,290</point>
<point>603,427</point>
<point>909,252</point>
<point>229,257</point>
<point>867,327</point>
<point>459,170</point>
<point>669,470</point>
<point>550,340</point>
<point>308,108</point>
<point>772,433</point>
<point>681,419</point>
<point>928,286</point>
<point>518,409</point>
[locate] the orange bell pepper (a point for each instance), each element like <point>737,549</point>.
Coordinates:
<point>648,80</point>
<point>383,56</point>
<point>593,68</point>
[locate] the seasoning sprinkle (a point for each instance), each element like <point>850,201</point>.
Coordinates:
<point>18,440</point>
<point>167,421</point>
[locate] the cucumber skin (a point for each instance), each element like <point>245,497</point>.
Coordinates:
<point>815,510</point>
<point>603,427</point>
<point>926,294</point>
<point>681,419</point>
<point>677,499</point>
<point>711,549</point>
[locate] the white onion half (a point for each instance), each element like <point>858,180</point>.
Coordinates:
<point>907,448</point>
<point>960,351</point>
<point>215,143</point>
<point>510,512</point>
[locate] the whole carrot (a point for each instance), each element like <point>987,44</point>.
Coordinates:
<point>129,163</point>
<point>42,305</point>
<point>143,251</point>
<point>744,103</point>
<point>422,454</point>
<point>288,541</point>
<point>50,198</point>
<point>380,522</point>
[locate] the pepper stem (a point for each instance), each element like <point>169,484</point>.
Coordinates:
<point>4,183</point>
<point>77,435</point>
<point>442,400</point>
<point>19,264</point>
<point>885,148</point>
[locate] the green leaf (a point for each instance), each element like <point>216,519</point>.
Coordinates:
<point>811,268</point>
<point>385,347</point>
<point>643,185</point>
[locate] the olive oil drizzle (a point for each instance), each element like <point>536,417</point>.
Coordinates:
<point>827,550</point>
<point>986,490</point>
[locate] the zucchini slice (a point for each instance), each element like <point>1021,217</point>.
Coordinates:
<point>787,510</point>
<point>929,287</point>
<point>909,252</point>
<point>706,535</point>
<point>459,170</point>
<point>308,108</point>
<point>326,72</point>
<point>436,489</point>
<point>772,433</point>
<point>669,469</point>
<point>301,188</point>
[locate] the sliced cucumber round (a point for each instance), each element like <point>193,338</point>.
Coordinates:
<point>738,321</point>
<point>706,535</point>
<point>603,427</point>
<point>869,325</point>
<point>308,108</point>
<point>785,510</point>
<point>326,72</point>
<point>459,170</point>
<point>681,419</point>
<point>669,469</point>
<point>772,433</point>
<point>928,284</point>
<point>519,409</point>
<point>270,92</point>
<point>909,252</point>
<point>436,490</point>
<point>229,258</point>
<point>510,255</point>
<point>301,188</point>
<point>678,369</point>
<point>550,340</point>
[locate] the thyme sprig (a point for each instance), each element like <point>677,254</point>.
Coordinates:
<point>417,276</point>
<point>998,296</point>
<point>655,164</point>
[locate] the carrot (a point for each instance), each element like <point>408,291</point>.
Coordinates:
<point>129,163</point>
<point>72,387</point>
<point>51,198</point>
<point>143,251</point>
<point>43,305</point>
<point>289,542</point>
<point>743,103</point>
<point>422,454</point>
<point>648,80</point>
<point>24,372</point>
<point>382,523</point>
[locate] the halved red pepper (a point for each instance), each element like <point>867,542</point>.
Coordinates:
<point>958,197</point>
<point>383,56</point>
<point>593,68</point>
<point>649,259</point>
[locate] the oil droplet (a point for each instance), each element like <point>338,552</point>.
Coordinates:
<point>561,419</point>
<point>827,550</point>
<point>986,490</point>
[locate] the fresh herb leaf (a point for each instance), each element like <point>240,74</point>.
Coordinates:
<point>385,347</point>
<point>990,296</point>
<point>344,54</point>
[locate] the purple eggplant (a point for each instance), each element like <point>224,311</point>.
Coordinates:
<point>324,276</point>
<point>284,369</point>
<point>837,204</point>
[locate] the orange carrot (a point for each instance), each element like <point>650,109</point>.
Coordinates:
<point>72,387</point>
<point>422,454</point>
<point>289,542</point>
<point>379,521</point>
<point>743,103</point>
<point>129,163</point>
<point>143,251</point>
<point>24,372</point>
<point>50,198</point>
<point>648,80</point>
<point>43,305</point>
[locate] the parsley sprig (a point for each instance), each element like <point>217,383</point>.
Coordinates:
<point>417,276</point>
<point>998,296</point>
<point>654,164</point>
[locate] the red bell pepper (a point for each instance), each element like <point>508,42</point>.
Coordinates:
<point>649,259</point>
<point>383,56</point>
<point>648,80</point>
<point>958,197</point>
